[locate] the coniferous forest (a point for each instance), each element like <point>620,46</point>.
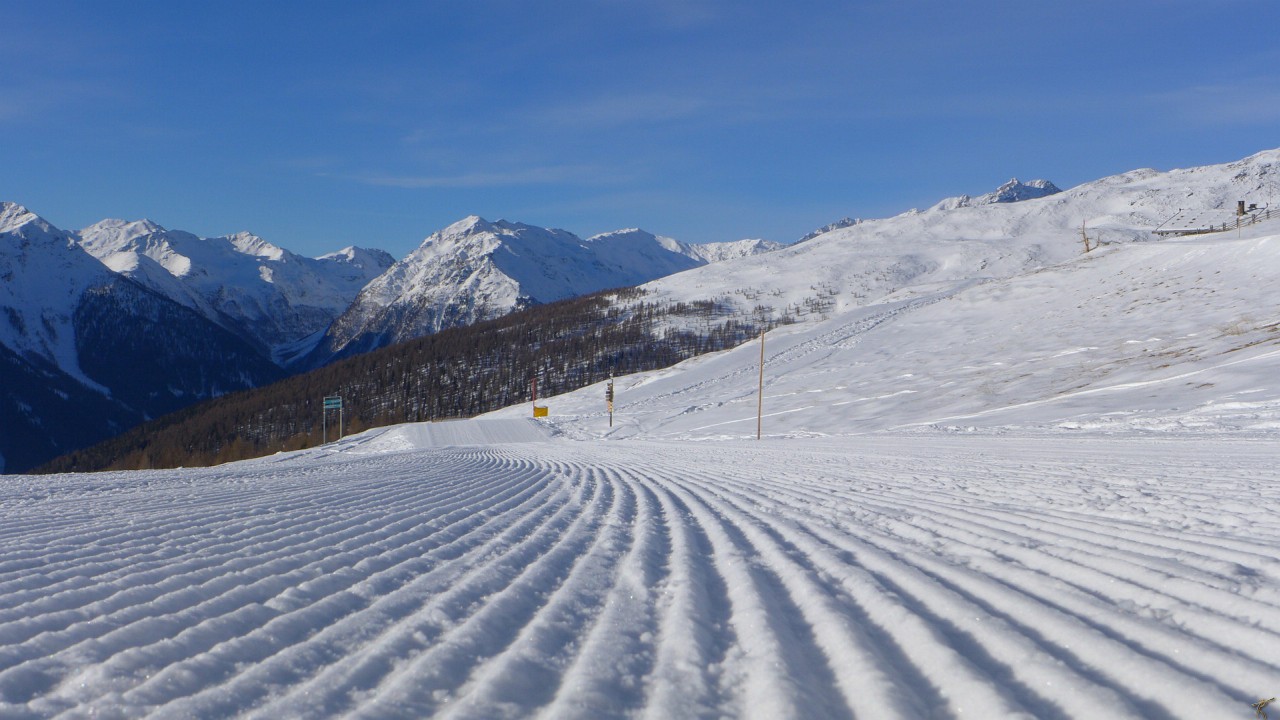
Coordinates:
<point>456,373</point>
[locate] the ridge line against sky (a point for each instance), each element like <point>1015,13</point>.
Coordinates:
<point>325,124</point>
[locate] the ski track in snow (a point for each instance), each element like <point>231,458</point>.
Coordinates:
<point>836,578</point>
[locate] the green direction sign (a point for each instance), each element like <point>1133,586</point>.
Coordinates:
<point>333,403</point>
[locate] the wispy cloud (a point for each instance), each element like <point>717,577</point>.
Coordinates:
<point>1242,102</point>
<point>617,110</point>
<point>676,14</point>
<point>39,98</point>
<point>542,175</point>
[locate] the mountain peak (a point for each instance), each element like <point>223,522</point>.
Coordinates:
<point>837,225</point>
<point>623,235</point>
<point>1016,190</point>
<point>250,244</point>
<point>130,228</point>
<point>1013,191</point>
<point>467,225</point>
<point>13,215</point>
<point>21,222</point>
<point>360,257</point>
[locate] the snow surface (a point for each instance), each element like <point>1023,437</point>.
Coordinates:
<point>888,576</point>
<point>1000,478</point>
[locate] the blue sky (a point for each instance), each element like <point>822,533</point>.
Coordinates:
<point>322,124</point>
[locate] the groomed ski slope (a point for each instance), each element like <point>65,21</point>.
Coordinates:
<point>399,575</point>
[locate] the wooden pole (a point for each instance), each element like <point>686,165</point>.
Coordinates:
<point>760,395</point>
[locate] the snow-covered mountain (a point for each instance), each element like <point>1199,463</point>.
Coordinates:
<point>1013,191</point>
<point>87,352</point>
<point>841,223</point>
<point>863,263</point>
<point>268,295</point>
<point>733,249</point>
<point>992,317</point>
<point>43,277</point>
<point>476,269</point>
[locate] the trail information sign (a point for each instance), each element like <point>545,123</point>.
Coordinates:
<point>333,402</point>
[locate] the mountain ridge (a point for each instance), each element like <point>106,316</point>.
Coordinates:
<point>269,295</point>
<point>476,270</point>
<point>89,352</point>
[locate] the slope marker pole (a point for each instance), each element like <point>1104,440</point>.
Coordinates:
<point>760,394</point>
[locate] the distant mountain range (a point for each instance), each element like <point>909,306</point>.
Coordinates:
<point>477,270</point>
<point>86,352</point>
<point>267,295</point>
<point>127,320</point>
<point>1005,265</point>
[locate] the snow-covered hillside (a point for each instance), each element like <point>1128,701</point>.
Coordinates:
<point>475,270</point>
<point>1158,336</point>
<point>936,320</point>
<point>267,294</point>
<point>862,263</point>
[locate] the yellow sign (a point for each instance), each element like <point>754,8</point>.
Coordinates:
<point>539,411</point>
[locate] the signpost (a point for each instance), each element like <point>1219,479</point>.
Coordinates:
<point>333,402</point>
<point>537,410</point>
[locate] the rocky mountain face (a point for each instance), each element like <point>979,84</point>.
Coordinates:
<point>1013,191</point>
<point>267,295</point>
<point>86,352</point>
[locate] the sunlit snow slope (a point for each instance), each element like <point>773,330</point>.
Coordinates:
<point>1179,334</point>
<point>988,316</point>
<point>883,577</point>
